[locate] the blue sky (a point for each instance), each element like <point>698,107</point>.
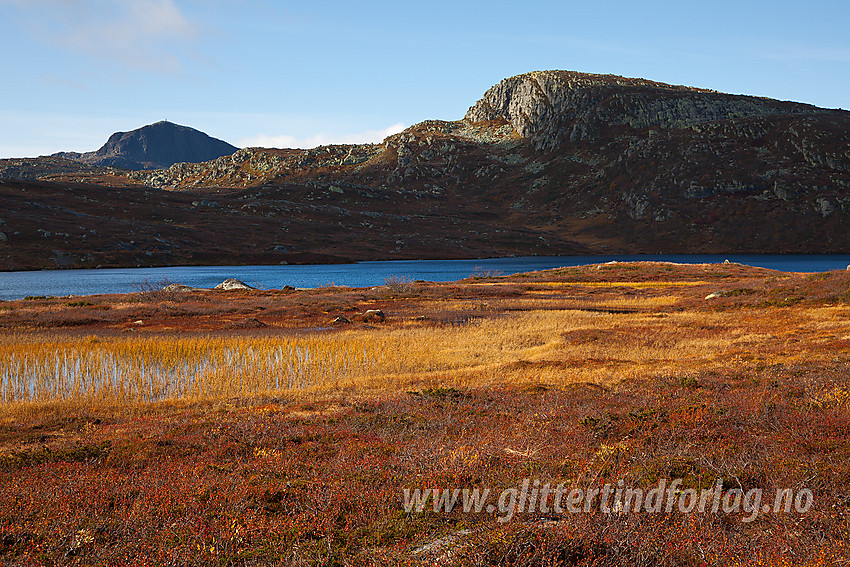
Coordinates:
<point>299,74</point>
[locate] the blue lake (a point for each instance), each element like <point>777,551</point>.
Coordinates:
<point>16,285</point>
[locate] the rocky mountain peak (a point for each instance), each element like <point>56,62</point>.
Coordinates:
<point>549,107</point>
<point>155,146</point>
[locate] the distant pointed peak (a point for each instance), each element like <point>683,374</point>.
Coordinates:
<point>156,146</point>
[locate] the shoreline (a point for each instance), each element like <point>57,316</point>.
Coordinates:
<point>88,282</point>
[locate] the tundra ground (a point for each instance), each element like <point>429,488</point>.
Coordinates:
<point>282,427</point>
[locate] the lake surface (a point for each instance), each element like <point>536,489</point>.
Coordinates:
<point>16,285</point>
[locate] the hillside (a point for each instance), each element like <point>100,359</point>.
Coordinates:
<point>550,162</point>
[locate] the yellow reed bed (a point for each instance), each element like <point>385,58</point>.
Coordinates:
<point>141,369</point>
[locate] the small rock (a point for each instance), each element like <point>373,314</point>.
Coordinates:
<point>139,322</point>
<point>179,288</point>
<point>62,258</point>
<point>374,315</point>
<point>825,208</point>
<point>249,323</point>
<point>783,192</point>
<point>3,237</point>
<point>443,549</point>
<point>341,321</point>
<point>81,539</point>
<point>231,284</point>
<point>714,295</point>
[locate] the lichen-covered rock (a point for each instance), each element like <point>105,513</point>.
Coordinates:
<point>180,288</point>
<point>825,208</point>
<point>232,284</point>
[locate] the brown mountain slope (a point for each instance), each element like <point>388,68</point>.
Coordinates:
<point>550,162</point>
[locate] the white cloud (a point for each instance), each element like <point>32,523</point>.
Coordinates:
<point>287,141</point>
<point>136,33</point>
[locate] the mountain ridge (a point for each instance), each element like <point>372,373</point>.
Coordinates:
<point>553,162</point>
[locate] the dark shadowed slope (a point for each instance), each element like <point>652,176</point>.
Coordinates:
<point>154,146</point>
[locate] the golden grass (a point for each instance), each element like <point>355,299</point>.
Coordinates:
<point>638,285</point>
<point>145,369</point>
<point>544,299</point>
<point>558,339</point>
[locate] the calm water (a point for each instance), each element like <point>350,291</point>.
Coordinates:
<point>16,285</point>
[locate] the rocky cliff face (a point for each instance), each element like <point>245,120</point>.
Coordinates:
<point>548,107</point>
<point>154,146</point>
<point>545,163</point>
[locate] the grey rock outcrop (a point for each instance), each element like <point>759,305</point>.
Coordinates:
<point>231,284</point>
<point>251,165</point>
<point>374,315</point>
<point>550,106</point>
<point>46,168</point>
<point>180,288</point>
